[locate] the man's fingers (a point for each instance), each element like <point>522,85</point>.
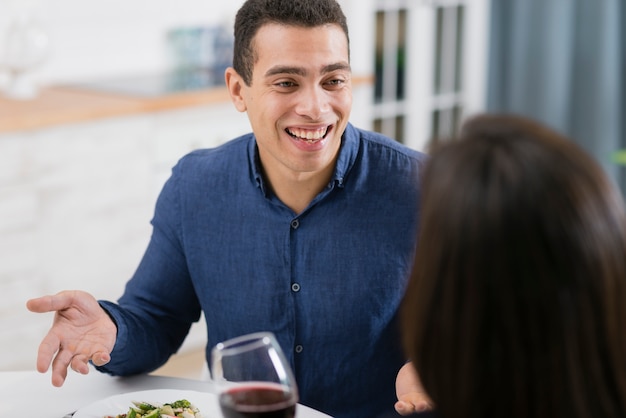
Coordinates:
<point>58,378</point>
<point>47,349</point>
<point>59,367</point>
<point>39,305</point>
<point>81,332</point>
<point>100,359</point>
<point>80,364</point>
<point>66,358</point>
<point>51,303</point>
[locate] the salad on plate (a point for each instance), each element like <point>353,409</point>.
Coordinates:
<point>178,409</point>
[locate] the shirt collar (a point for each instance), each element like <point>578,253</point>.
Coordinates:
<point>347,155</point>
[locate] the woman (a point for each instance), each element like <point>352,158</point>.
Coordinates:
<point>517,301</point>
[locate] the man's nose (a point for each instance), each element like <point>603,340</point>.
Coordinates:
<point>313,103</point>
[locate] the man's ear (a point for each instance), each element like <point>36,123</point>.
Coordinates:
<point>235,85</point>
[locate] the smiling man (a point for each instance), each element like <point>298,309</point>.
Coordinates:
<point>305,227</point>
<point>298,100</point>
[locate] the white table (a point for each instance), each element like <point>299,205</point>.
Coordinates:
<point>35,390</point>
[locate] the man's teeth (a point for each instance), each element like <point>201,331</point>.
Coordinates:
<point>309,135</point>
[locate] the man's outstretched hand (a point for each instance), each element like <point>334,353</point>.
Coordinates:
<point>81,331</point>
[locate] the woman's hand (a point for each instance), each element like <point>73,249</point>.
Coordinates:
<point>411,395</point>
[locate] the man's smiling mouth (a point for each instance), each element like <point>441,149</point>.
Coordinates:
<point>308,135</point>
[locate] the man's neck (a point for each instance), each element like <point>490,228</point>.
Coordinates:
<point>297,191</point>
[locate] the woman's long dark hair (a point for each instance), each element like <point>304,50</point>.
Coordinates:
<point>516,305</point>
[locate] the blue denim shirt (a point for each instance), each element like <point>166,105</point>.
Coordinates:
<point>327,281</point>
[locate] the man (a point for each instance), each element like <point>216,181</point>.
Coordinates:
<point>305,228</point>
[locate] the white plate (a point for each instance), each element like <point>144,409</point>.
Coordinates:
<point>206,402</point>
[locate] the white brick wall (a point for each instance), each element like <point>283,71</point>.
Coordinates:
<point>75,206</point>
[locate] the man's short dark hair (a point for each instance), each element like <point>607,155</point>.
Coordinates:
<point>256,13</point>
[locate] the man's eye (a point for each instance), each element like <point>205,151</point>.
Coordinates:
<point>285,84</point>
<point>336,82</point>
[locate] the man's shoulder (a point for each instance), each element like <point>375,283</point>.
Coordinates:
<point>232,151</point>
<point>375,141</point>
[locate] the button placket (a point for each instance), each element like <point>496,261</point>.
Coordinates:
<point>295,287</point>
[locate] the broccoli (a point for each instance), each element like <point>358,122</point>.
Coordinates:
<point>183,403</point>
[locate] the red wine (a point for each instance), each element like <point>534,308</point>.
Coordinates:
<point>257,402</point>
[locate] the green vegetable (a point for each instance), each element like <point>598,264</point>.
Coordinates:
<point>183,403</point>
<point>144,406</point>
<point>155,413</point>
<point>174,409</point>
<point>167,409</point>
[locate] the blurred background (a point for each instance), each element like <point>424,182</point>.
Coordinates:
<point>98,100</point>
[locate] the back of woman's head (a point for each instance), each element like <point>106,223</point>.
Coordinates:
<point>517,301</point>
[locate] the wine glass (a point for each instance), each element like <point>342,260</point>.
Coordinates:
<point>253,378</point>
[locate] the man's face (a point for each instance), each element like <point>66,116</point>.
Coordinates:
<point>300,98</point>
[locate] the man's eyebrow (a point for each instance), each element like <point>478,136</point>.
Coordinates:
<point>341,66</point>
<point>284,69</point>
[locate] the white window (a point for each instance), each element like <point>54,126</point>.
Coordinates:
<point>430,67</point>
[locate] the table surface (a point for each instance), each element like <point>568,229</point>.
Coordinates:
<point>33,389</point>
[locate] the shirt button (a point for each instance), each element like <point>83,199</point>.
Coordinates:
<point>295,224</point>
<point>295,287</point>
<point>299,349</point>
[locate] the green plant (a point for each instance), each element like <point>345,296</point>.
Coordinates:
<point>619,157</point>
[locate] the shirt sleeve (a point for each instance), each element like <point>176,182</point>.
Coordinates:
<point>159,304</point>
